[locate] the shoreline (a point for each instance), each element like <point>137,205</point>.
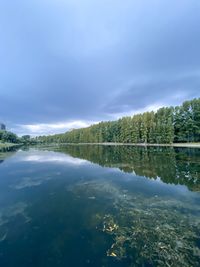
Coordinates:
<point>189,145</point>
<point>8,145</point>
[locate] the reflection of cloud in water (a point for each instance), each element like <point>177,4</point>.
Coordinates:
<point>48,156</point>
<point>8,213</point>
<point>29,182</point>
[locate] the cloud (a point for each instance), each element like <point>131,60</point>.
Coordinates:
<point>50,128</point>
<point>140,96</point>
<point>92,60</point>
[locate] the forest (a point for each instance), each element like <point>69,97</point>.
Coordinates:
<point>165,126</point>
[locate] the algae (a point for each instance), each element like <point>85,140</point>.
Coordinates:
<point>146,231</point>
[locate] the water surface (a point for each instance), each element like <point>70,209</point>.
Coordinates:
<point>100,206</point>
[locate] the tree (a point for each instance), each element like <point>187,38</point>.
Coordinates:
<point>167,125</point>
<point>9,137</point>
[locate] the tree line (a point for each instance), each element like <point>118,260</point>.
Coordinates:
<point>166,125</point>
<point>9,137</point>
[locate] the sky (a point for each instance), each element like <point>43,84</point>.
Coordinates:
<point>70,63</point>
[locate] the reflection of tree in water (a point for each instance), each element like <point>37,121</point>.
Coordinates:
<point>5,153</point>
<point>172,165</point>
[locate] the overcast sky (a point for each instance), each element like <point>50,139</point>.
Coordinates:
<point>69,63</point>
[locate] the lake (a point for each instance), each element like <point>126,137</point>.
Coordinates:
<point>87,205</point>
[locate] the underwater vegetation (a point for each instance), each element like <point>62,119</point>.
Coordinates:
<point>153,238</point>
<point>9,214</point>
<point>146,230</point>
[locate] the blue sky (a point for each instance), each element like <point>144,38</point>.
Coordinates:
<point>69,63</point>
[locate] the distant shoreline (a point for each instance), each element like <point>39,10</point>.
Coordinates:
<point>189,145</point>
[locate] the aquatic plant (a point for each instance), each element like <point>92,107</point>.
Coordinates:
<point>157,237</point>
<point>146,231</point>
